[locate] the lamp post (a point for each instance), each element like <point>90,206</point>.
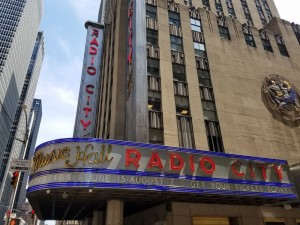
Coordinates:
<point>24,143</point>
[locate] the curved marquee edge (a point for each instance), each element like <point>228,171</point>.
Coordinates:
<point>140,187</point>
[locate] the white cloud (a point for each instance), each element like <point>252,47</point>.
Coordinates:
<point>85,9</point>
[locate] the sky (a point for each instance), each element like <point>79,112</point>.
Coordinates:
<point>58,85</point>
<point>64,32</point>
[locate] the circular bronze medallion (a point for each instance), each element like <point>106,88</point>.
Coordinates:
<point>282,96</point>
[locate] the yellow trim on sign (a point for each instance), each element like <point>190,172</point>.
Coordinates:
<point>297,220</point>
<point>210,221</point>
<point>274,220</point>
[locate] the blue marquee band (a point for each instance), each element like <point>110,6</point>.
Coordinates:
<point>153,174</point>
<point>158,147</point>
<point>154,187</point>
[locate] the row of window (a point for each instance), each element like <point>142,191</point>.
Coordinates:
<point>176,42</point>
<point>231,11</point>
<point>6,12</point>
<point>10,33</point>
<point>10,19</point>
<point>14,4</point>
<point>8,28</point>
<point>249,39</point>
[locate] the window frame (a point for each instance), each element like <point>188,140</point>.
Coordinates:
<point>176,43</point>
<point>174,18</point>
<point>153,37</point>
<point>198,27</point>
<point>151,13</point>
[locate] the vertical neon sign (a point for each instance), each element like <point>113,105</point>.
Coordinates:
<point>87,104</point>
<point>130,46</point>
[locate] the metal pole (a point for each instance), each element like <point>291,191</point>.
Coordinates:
<point>25,143</point>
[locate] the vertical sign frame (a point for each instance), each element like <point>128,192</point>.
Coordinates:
<point>86,116</point>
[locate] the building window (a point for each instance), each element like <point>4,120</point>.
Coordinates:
<point>246,10</point>
<point>214,137</point>
<point>265,41</point>
<point>248,35</point>
<point>218,5</point>
<point>178,72</point>
<point>152,37</point>
<point>281,46</point>
<point>154,103</point>
<point>176,43</point>
<point>156,136</point>
<point>206,4</point>
<point>230,8</point>
<point>296,29</point>
<point>151,11</point>
<point>153,67</point>
<point>224,32</point>
<point>199,49</point>
<point>196,25</point>
<point>249,40</point>
<point>267,45</point>
<point>155,120</point>
<point>283,50</point>
<point>180,88</point>
<point>185,132</point>
<point>174,18</point>
<point>154,83</point>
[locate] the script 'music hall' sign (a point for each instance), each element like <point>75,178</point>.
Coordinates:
<point>110,164</point>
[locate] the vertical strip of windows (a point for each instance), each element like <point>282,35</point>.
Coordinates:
<point>218,5</point>
<point>281,45</point>
<point>223,27</point>
<point>183,115</point>
<point>265,41</point>
<point>267,9</point>
<point>248,35</point>
<point>247,12</point>
<point>260,12</point>
<point>230,8</point>
<point>155,115</point>
<point>213,131</point>
<point>296,29</point>
<point>10,11</point>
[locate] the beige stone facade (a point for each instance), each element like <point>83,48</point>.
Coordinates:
<point>237,71</point>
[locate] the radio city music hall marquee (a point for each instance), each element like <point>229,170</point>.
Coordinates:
<point>90,79</point>
<point>102,163</point>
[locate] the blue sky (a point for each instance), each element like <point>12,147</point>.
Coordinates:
<point>58,86</point>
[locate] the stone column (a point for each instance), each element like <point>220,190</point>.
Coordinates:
<point>114,212</point>
<point>97,218</point>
